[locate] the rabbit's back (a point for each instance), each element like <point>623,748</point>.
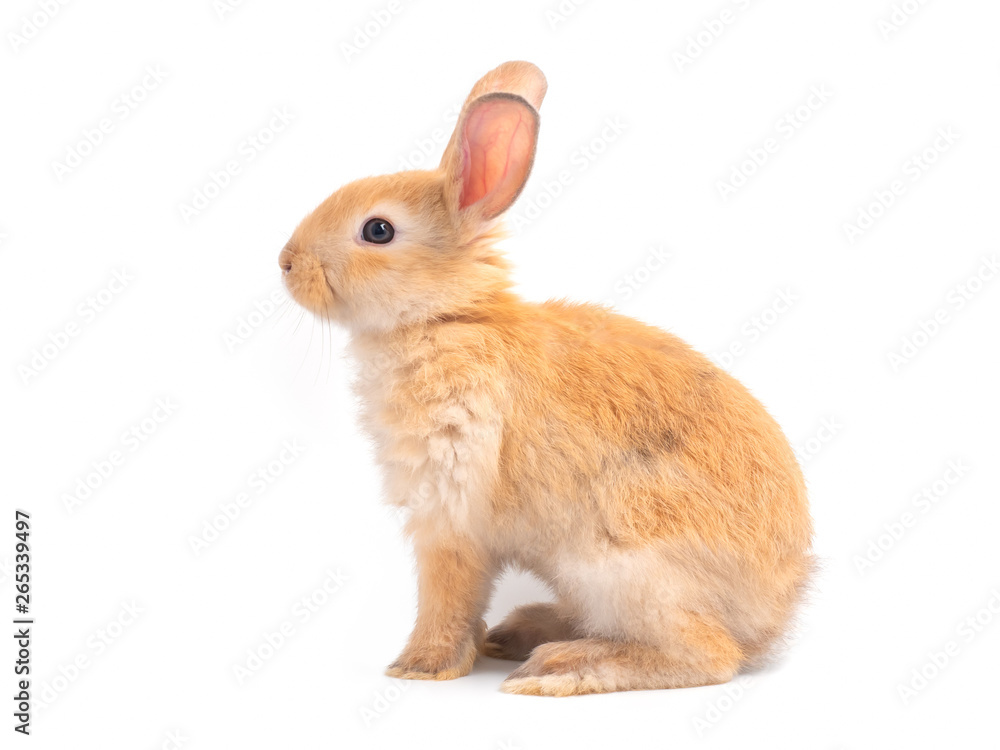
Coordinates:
<point>654,435</point>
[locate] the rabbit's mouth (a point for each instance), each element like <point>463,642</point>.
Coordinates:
<point>333,292</point>
<point>307,281</point>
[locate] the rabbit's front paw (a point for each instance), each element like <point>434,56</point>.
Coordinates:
<point>432,664</point>
<point>438,662</point>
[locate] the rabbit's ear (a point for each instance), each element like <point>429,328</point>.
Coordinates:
<point>506,142</point>
<point>490,155</point>
<point>515,77</point>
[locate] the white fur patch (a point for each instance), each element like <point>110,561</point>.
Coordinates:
<point>440,457</point>
<point>621,593</point>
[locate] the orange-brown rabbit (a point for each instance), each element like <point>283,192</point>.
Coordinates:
<point>644,485</point>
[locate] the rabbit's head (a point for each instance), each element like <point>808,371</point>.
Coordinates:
<point>416,246</point>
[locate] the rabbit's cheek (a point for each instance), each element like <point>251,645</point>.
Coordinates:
<point>361,269</point>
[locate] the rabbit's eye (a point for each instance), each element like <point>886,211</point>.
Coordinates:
<point>378,231</point>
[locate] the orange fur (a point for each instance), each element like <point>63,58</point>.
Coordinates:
<point>646,486</point>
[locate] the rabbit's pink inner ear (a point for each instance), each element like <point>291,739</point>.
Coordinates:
<point>498,150</point>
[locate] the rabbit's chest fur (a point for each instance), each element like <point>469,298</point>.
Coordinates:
<point>435,418</point>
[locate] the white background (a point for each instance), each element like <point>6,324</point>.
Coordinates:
<point>873,434</point>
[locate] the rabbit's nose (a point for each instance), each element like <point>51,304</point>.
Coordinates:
<point>285,261</point>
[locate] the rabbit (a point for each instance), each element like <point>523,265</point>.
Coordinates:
<point>648,489</point>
